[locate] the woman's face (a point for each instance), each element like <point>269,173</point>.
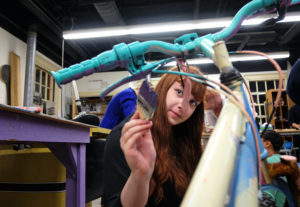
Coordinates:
<point>180,103</point>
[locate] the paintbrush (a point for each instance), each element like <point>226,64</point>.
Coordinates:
<point>146,100</point>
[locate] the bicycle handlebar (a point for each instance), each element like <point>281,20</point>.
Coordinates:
<point>131,56</point>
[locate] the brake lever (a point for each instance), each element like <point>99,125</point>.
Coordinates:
<point>281,8</point>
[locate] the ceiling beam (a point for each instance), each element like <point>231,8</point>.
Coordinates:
<point>244,43</point>
<point>292,32</point>
<point>219,8</point>
<point>45,19</point>
<point>109,12</point>
<point>12,27</point>
<point>176,9</point>
<point>196,9</point>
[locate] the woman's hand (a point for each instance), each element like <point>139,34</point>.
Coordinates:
<point>138,147</point>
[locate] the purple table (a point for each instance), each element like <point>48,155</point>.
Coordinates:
<point>66,139</point>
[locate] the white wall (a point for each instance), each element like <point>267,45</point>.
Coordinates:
<point>89,86</point>
<point>94,84</point>
<point>10,43</point>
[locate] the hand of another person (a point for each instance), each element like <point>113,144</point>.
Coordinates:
<point>296,126</point>
<point>138,147</point>
<point>213,101</point>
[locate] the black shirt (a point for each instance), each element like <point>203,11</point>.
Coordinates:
<point>294,117</point>
<point>293,84</point>
<point>116,173</point>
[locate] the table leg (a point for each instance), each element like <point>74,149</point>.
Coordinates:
<point>75,187</point>
<point>73,158</point>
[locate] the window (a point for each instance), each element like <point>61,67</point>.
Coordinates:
<point>258,89</point>
<point>44,84</point>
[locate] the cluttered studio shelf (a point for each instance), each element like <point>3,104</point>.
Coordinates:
<point>280,121</point>
<point>280,118</point>
<point>92,105</point>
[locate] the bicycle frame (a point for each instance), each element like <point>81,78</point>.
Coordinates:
<point>231,149</point>
<point>224,173</point>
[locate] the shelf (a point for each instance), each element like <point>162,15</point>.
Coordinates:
<point>93,105</point>
<point>96,113</point>
<point>279,120</point>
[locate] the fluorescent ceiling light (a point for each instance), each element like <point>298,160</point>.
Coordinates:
<point>169,27</point>
<point>237,57</point>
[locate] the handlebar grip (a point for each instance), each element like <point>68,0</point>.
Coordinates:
<point>105,61</point>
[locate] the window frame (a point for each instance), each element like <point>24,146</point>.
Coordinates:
<point>48,84</point>
<point>263,77</point>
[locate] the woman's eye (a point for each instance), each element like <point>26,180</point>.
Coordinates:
<point>179,92</point>
<point>193,102</point>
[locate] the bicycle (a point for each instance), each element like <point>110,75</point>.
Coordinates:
<point>240,183</point>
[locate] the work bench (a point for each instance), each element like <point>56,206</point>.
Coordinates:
<point>66,139</point>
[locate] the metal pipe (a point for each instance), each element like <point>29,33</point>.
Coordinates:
<point>63,88</point>
<point>30,69</point>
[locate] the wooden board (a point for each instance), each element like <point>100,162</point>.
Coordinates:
<point>15,79</point>
<point>282,112</point>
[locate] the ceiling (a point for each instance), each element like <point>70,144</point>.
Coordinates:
<point>49,18</point>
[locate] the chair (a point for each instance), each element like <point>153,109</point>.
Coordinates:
<point>287,148</point>
<point>94,169</point>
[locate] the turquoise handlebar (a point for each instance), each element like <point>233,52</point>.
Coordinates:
<point>103,62</point>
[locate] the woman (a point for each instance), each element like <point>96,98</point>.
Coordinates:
<point>157,158</point>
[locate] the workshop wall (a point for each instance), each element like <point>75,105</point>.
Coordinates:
<point>9,43</point>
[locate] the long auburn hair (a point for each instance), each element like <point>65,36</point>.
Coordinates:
<point>178,148</point>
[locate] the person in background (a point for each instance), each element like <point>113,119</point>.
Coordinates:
<point>272,142</point>
<point>294,121</point>
<point>213,106</point>
<point>293,88</point>
<point>293,84</point>
<point>121,106</point>
<point>151,162</point>
<point>294,117</point>
<point>278,166</point>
